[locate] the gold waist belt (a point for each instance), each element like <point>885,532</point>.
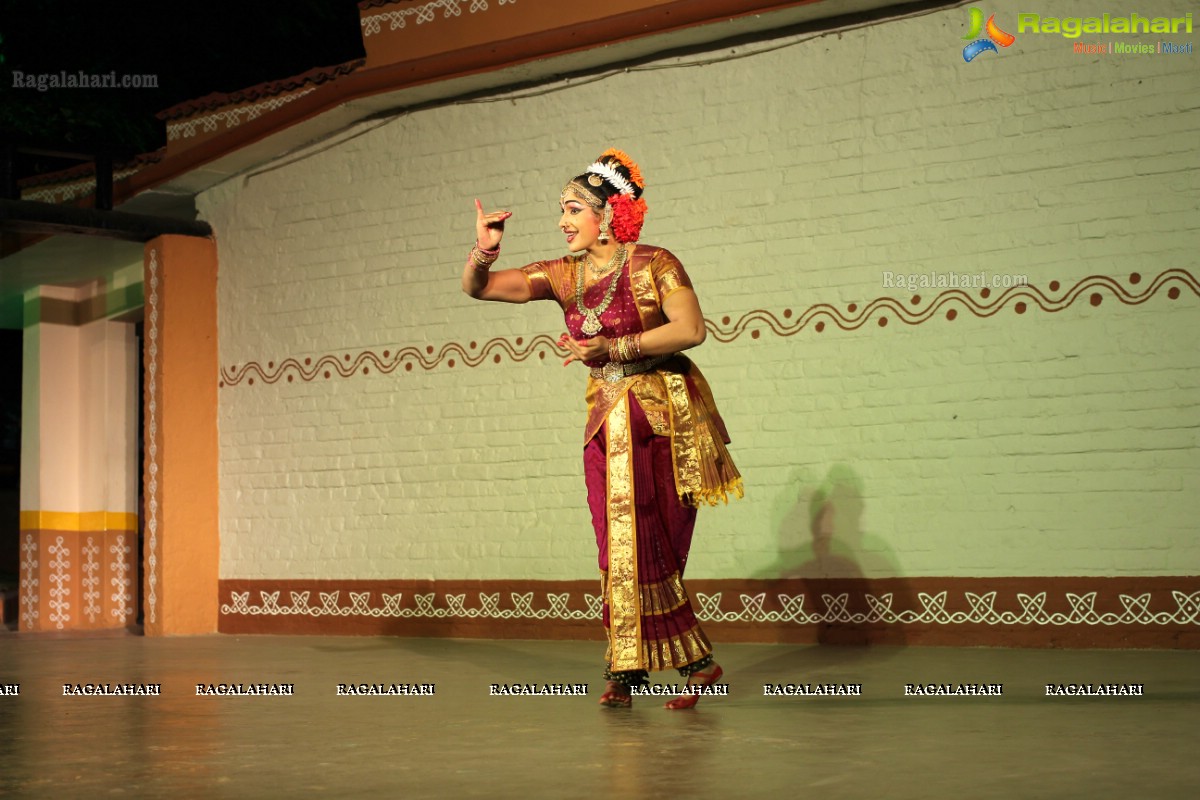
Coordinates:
<point>614,371</point>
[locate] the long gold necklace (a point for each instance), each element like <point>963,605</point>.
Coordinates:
<point>591,316</point>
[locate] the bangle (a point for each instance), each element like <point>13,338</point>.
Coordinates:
<point>483,259</point>
<point>625,349</point>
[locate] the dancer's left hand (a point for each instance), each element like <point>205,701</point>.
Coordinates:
<point>583,349</point>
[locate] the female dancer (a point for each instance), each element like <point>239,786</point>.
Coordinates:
<point>654,444</point>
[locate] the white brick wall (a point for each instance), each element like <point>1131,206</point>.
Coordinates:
<point>1037,444</point>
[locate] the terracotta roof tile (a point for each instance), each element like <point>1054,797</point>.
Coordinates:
<point>210,102</point>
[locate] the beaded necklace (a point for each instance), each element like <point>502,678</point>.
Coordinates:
<point>591,316</point>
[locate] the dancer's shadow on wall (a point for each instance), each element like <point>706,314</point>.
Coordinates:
<point>845,573</point>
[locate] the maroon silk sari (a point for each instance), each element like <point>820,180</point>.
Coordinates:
<point>654,450</point>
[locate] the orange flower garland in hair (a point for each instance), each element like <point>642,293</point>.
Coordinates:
<point>635,174</point>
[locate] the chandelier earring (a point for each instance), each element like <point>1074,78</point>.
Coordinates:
<point>604,224</point>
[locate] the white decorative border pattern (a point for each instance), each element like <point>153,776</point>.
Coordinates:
<point>29,583</point>
<point>58,592</point>
<point>152,440</point>
<point>122,597</point>
<point>360,605</point>
<point>69,191</point>
<point>231,118</point>
<point>424,13</point>
<point>91,580</point>
<point>1136,608</point>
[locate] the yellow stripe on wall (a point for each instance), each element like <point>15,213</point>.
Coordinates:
<point>78,521</point>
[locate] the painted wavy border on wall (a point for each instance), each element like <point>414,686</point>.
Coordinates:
<point>947,305</point>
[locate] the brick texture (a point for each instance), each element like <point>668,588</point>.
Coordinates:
<point>995,444</point>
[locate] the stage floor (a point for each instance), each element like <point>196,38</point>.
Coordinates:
<point>461,741</point>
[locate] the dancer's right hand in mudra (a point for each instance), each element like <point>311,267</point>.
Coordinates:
<point>489,228</point>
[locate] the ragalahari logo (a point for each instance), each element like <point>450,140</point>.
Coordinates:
<point>995,36</point>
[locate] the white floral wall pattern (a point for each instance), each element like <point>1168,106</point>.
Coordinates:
<point>424,13</point>
<point>152,465</point>
<point>60,579</point>
<point>120,582</point>
<point>91,579</point>
<point>29,583</point>
<point>797,609</point>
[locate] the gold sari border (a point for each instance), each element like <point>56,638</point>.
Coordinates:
<point>678,651</point>
<point>673,291</point>
<point>624,597</point>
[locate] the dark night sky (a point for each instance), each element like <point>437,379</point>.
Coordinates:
<point>194,48</point>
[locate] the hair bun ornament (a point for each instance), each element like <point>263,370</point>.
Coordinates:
<point>611,176</point>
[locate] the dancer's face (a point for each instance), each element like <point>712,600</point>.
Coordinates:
<point>579,223</point>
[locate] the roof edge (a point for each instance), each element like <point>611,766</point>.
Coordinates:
<point>210,102</point>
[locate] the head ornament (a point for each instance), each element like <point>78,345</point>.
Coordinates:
<point>612,186</point>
